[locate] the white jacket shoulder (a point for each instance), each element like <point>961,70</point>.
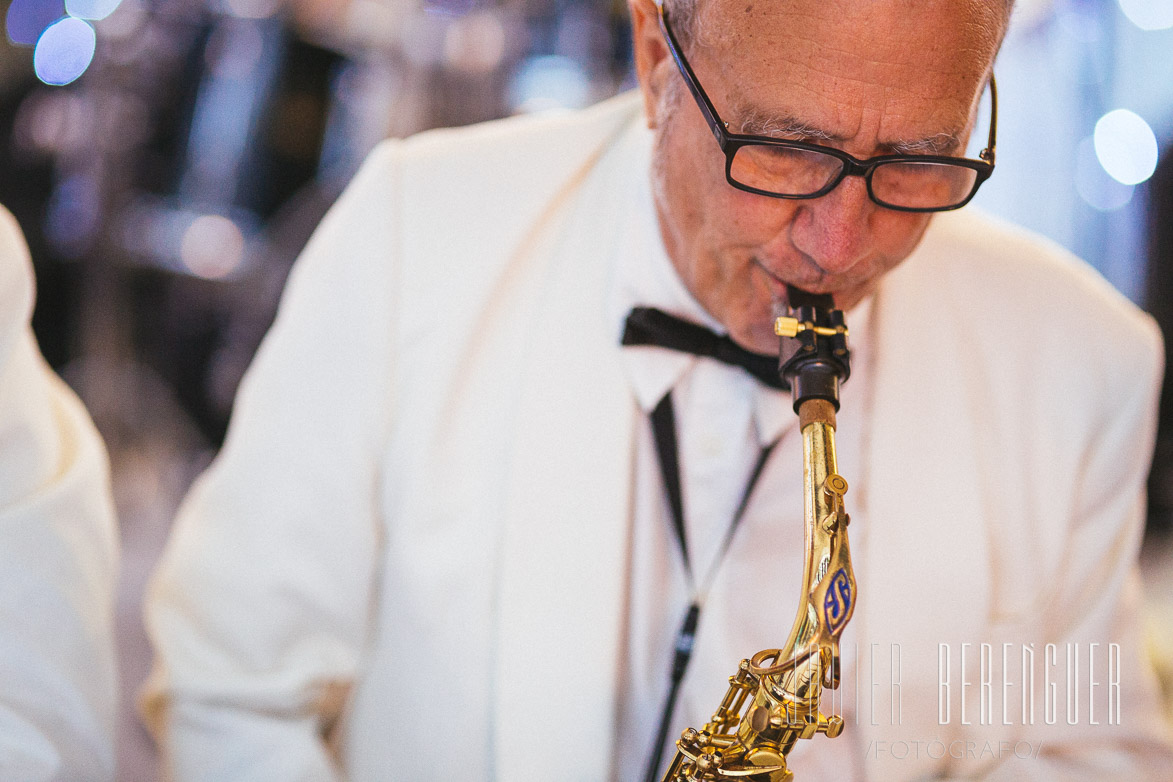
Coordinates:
<point>58,556</point>
<point>16,280</point>
<point>451,205</point>
<point>1022,288</point>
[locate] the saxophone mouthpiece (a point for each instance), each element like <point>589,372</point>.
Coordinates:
<point>799,298</point>
<point>813,355</point>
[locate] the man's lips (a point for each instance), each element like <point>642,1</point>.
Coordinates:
<point>778,286</point>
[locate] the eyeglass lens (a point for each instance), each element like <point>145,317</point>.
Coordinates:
<point>791,171</point>
<point>922,185</point>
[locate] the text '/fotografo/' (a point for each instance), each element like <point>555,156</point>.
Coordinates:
<point>957,749</point>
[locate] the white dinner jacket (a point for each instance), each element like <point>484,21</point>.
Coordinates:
<point>58,558</point>
<point>416,536</point>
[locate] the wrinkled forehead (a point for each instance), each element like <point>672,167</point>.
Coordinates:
<point>907,67</point>
<point>981,23</point>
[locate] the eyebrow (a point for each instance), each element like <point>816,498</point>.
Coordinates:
<point>758,123</point>
<point>939,144</point>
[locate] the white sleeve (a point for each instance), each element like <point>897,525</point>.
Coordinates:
<point>259,610</point>
<point>58,558</point>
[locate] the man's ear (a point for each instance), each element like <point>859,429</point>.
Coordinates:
<point>650,52</point>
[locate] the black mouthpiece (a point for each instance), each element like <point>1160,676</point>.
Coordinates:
<point>799,298</point>
<point>813,363</point>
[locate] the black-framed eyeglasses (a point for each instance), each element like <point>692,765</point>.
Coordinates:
<point>798,169</point>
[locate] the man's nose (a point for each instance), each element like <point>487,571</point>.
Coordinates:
<point>834,230</point>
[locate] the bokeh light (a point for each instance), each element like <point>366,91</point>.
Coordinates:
<point>27,19</point>
<point>475,44</point>
<point>54,122</point>
<point>212,247</point>
<point>91,9</point>
<point>126,22</point>
<point>1126,146</point>
<point>64,51</point>
<point>1149,14</point>
<point>549,82</point>
<point>1095,187</point>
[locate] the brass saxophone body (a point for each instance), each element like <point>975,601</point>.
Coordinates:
<point>773,699</point>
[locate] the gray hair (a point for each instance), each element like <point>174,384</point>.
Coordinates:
<point>683,19</point>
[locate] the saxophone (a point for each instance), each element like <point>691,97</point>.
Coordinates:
<point>773,699</point>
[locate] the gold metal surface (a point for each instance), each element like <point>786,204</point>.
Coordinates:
<point>792,327</point>
<point>773,699</point>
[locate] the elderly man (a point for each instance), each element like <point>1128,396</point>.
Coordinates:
<point>440,544</point>
<point>58,558</point>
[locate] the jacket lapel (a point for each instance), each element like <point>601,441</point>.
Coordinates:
<point>567,516</point>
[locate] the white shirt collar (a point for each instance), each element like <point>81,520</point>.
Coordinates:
<point>644,276</point>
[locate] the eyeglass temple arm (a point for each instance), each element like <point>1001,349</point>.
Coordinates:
<point>707,107</point>
<point>988,153</point>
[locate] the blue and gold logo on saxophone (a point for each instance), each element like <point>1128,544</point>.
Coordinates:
<point>837,603</point>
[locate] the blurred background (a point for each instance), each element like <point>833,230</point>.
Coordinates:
<point>167,160</point>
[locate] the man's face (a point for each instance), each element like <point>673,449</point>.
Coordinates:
<point>870,78</point>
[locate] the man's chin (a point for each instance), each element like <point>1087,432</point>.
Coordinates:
<point>758,338</point>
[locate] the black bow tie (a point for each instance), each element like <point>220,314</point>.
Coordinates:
<point>648,326</point>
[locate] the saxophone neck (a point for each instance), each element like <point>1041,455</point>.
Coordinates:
<point>816,360</point>
<point>828,578</point>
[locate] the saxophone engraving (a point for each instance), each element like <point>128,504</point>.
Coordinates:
<point>773,698</point>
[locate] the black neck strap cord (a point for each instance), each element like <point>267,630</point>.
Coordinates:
<point>664,430</point>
